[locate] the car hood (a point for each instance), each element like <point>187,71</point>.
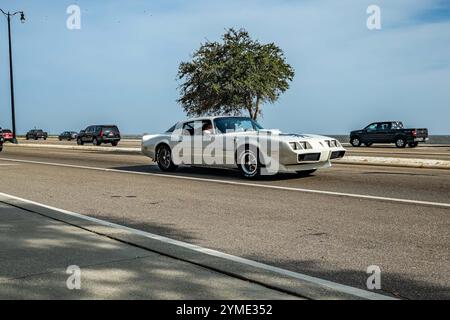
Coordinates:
<point>287,137</point>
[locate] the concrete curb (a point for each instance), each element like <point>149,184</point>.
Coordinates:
<point>395,162</point>
<point>80,148</point>
<point>302,287</point>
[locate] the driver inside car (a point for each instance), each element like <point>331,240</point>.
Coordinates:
<point>207,128</point>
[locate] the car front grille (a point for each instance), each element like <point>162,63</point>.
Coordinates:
<point>309,157</point>
<point>337,154</point>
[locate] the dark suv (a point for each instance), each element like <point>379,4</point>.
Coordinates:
<point>36,134</point>
<point>99,134</point>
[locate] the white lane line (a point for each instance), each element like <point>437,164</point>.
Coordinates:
<point>246,184</point>
<point>318,281</point>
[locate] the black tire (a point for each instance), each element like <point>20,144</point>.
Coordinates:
<point>164,159</point>
<point>95,142</point>
<point>355,142</point>
<point>114,143</point>
<point>306,173</point>
<point>80,142</point>
<point>413,144</point>
<point>368,144</point>
<point>400,142</point>
<point>248,162</point>
<point>27,138</point>
<point>35,138</point>
<point>1,148</point>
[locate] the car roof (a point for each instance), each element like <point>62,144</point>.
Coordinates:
<point>103,125</point>
<point>211,118</point>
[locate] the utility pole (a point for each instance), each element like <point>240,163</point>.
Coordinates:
<point>11,76</point>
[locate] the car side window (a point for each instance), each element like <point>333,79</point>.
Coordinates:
<point>386,126</point>
<point>372,127</point>
<point>188,129</point>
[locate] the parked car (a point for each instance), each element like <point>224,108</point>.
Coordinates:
<point>388,132</point>
<point>1,140</point>
<point>36,134</point>
<point>7,135</point>
<point>99,134</point>
<point>239,142</point>
<point>68,135</point>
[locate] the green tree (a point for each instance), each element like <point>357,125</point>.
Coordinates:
<point>235,75</point>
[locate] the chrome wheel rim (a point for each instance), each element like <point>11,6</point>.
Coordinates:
<point>355,142</point>
<point>249,163</point>
<point>400,142</point>
<point>165,158</point>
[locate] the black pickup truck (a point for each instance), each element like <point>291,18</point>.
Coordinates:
<point>388,132</point>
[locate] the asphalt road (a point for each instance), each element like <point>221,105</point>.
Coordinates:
<point>328,236</point>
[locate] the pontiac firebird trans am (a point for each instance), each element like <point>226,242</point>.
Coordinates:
<point>239,142</point>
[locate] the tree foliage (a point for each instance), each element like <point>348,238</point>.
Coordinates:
<point>235,75</point>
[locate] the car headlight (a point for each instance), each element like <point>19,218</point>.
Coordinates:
<point>332,143</point>
<point>293,145</point>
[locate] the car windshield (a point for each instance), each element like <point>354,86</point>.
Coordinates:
<point>236,124</point>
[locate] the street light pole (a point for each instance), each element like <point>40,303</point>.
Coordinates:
<point>11,76</point>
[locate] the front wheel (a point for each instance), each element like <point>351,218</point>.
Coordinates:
<point>400,142</point>
<point>355,142</point>
<point>306,173</point>
<point>80,142</point>
<point>164,159</point>
<point>248,163</point>
<point>367,144</point>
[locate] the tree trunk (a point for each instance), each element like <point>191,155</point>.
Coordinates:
<point>256,112</point>
<point>250,108</point>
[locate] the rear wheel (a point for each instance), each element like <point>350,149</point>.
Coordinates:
<point>400,142</point>
<point>248,162</point>
<point>164,159</point>
<point>355,142</point>
<point>306,173</point>
<point>80,142</point>
<point>114,143</point>
<point>413,144</point>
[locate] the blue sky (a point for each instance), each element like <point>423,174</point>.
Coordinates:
<point>121,66</point>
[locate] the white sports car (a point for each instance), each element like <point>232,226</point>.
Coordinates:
<point>239,142</point>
